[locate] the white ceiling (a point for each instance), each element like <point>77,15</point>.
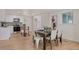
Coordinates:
<point>43,10</point>
<point>28,11</point>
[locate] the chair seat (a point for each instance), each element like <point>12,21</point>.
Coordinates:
<point>48,38</point>
<point>37,39</point>
<point>22,31</point>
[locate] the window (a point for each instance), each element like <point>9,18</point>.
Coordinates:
<point>67,18</point>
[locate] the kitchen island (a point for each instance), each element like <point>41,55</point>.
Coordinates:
<point>5,33</point>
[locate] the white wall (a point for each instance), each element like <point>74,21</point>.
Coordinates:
<point>9,14</point>
<point>76,25</point>
<point>37,22</point>
<point>70,31</point>
<point>2,15</point>
<point>9,18</point>
<point>45,20</point>
<point>28,21</point>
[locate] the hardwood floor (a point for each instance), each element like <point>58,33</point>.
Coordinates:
<point>18,42</point>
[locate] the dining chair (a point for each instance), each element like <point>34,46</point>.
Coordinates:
<point>52,37</point>
<point>23,32</point>
<point>37,39</point>
<point>59,32</point>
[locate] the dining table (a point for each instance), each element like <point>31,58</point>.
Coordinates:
<point>44,34</point>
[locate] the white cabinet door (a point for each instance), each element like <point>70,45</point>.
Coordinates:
<point>9,18</point>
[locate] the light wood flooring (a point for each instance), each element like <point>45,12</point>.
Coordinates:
<point>18,42</point>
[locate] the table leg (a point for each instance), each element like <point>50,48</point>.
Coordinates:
<point>44,42</point>
<point>28,31</point>
<point>61,39</point>
<point>24,34</point>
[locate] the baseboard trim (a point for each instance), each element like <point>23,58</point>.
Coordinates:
<point>74,41</point>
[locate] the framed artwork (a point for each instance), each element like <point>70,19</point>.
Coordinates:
<point>67,18</point>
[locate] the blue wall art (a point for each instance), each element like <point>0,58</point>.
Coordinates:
<point>67,18</point>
